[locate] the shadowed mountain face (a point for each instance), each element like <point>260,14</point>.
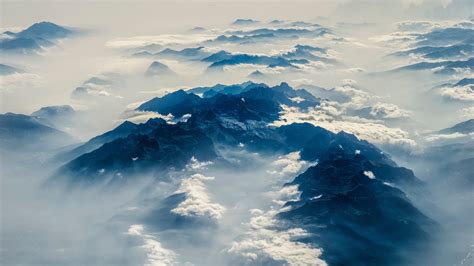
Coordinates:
<point>121,131</point>
<point>164,146</point>
<point>177,103</point>
<point>356,215</point>
<point>22,132</point>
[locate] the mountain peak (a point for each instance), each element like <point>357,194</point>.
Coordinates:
<point>157,68</point>
<point>46,30</point>
<point>465,127</point>
<point>283,87</point>
<point>242,21</point>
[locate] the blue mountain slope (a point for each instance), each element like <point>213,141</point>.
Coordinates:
<point>446,36</point>
<point>443,52</point>
<point>465,81</point>
<point>225,89</point>
<point>465,127</point>
<point>302,54</point>
<point>447,67</point>
<point>23,45</point>
<point>34,38</point>
<point>242,21</point>
<point>44,30</point>
<point>355,216</point>
<point>164,147</point>
<point>23,132</point>
<point>177,103</point>
<point>293,32</point>
<point>121,131</point>
<point>219,56</point>
<point>270,61</point>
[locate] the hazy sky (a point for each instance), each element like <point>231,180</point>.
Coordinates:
<point>149,16</point>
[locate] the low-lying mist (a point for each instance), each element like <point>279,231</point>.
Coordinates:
<point>58,224</point>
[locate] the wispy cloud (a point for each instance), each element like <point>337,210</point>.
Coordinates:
<point>156,254</point>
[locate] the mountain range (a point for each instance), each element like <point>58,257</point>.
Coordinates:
<point>353,200</point>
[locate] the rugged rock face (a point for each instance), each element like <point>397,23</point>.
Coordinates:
<point>163,147</point>
<point>355,212</point>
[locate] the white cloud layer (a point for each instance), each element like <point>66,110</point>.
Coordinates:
<point>194,164</point>
<point>264,242</point>
<point>367,130</point>
<point>156,254</point>
<point>467,113</point>
<point>198,202</point>
<point>288,165</point>
<point>10,83</point>
<point>448,137</point>
<point>388,110</point>
<point>460,93</point>
<point>164,40</point>
<point>137,117</point>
